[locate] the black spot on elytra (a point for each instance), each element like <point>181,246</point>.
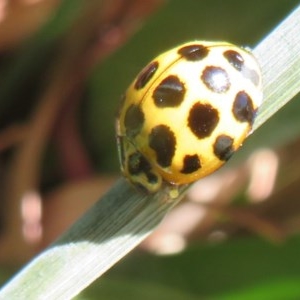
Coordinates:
<point>243,108</point>
<point>223,148</point>
<point>133,120</point>
<point>151,178</point>
<point>162,141</point>
<point>193,52</point>
<point>138,164</point>
<point>203,119</point>
<point>169,93</point>
<point>235,59</point>
<point>191,163</point>
<point>146,74</point>
<point>216,79</point>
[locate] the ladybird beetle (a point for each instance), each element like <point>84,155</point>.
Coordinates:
<point>186,113</point>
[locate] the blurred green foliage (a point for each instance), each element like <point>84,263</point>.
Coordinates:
<point>242,269</point>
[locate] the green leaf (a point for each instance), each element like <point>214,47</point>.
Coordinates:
<point>236,269</point>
